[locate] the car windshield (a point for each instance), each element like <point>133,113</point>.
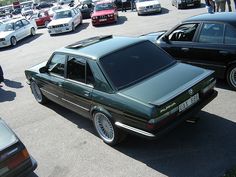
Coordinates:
<point>7,27</point>
<point>104,6</point>
<point>135,63</point>
<point>63,14</point>
<point>26,8</point>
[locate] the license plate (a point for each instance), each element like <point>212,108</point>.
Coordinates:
<point>103,20</point>
<point>188,103</point>
<point>58,31</point>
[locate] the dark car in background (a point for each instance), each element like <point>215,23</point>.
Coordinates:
<point>86,9</point>
<point>207,40</point>
<point>180,4</point>
<point>43,5</point>
<point>122,84</point>
<point>15,160</point>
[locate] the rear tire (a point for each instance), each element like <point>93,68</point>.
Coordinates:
<point>231,77</point>
<point>73,27</point>
<point>38,95</point>
<point>106,129</point>
<point>32,32</point>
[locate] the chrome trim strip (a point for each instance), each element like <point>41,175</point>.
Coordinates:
<point>134,129</point>
<point>77,82</point>
<point>49,93</point>
<point>75,104</point>
<point>56,75</point>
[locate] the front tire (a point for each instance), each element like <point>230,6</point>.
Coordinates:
<point>106,129</point>
<point>73,27</point>
<point>40,98</point>
<point>32,32</point>
<point>231,77</point>
<point>13,41</point>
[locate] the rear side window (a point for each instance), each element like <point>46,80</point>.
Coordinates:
<point>212,33</point>
<point>230,35</point>
<point>132,64</point>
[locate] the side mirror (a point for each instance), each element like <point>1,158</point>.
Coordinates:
<point>43,69</point>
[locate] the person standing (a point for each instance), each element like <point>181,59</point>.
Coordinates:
<point>220,5</point>
<point>132,4</point>
<point>229,5</point>
<point>210,5</point>
<point>1,76</point>
<point>123,5</point>
<point>235,4</point>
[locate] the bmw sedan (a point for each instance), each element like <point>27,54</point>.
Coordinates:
<point>122,84</point>
<point>14,30</point>
<point>206,40</point>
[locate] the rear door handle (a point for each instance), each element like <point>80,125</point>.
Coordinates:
<point>86,93</point>
<point>185,49</point>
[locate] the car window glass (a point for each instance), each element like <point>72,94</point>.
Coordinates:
<point>76,69</point>
<point>57,64</point>
<point>25,22</point>
<point>132,64</point>
<point>230,35</point>
<point>212,33</point>
<point>183,33</point>
<point>73,13</point>
<point>18,25</point>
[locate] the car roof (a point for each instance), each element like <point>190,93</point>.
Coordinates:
<point>98,46</point>
<point>63,9</point>
<point>15,19</point>
<point>228,17</point>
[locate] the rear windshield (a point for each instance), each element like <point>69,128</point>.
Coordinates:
<point>135,63</point>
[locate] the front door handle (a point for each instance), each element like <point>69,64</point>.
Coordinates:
<point>86,93</point>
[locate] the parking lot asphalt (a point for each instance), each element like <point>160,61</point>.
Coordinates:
<point>66,145</point>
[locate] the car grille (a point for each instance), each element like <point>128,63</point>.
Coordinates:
<point>102,17</point>
<point>149,7</point>
<point>57,26</point>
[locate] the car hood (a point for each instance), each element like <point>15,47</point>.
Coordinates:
<point>4,34</point>
<point>37,67</point>
<point>147,3</point>
<point>103,12</point>
<point>59,21</point>
<point>153,36</point>
<point>7,136</point>
<point>167,84</point>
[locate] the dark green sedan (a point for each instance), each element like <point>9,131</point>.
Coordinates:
<point>122,84</point>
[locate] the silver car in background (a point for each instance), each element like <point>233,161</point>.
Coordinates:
<point>148,6</point>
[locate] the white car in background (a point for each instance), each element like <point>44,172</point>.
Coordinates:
<point>65,20</point>
<point>14,30</point>
<point>27,10</point>
<point>148,6</point>
<point>52,10</point>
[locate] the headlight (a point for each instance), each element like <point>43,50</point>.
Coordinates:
<point>95,17</point>
<point>110,15</point>
<point>141,8</point>
<point>2,39</point>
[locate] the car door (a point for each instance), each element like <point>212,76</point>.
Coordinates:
<point>26,27</point>
<point>76,16</point>
<point>179,41</point>
<point>52,81</point>
<point>215,47</point>
<point>78,85</point>
<point>19,30</point>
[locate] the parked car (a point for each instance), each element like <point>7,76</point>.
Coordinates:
<point>148,6</point>
<point>180,4</point>
<point>16,11</point>
<point>65,20</point>
<point>14,30</point>
<point>15,159</point>
<point>26,11</point>
<point>104,12</point>
<point>118,4</point>
<point>43,5</point>
<point>207,40</point>
<point>122,83</point>
<point>41,18</point>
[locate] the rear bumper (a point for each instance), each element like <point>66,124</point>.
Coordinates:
<point>189,4</point>
<point>156,134</point>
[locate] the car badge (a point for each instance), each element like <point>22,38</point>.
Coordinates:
<point>190,91</point>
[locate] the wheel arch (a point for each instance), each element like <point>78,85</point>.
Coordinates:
<point>100,109</point>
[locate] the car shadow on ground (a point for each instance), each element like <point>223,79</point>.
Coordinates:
<point>32,175</point>
<point>221,83</point>
<point>79,28</point>
<point>22,42</point>
<point>206,148</point>
<point>12,84</point>
<point>6,95</point>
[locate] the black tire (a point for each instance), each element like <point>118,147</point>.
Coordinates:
<point>231,76</point>
<point>106,129</point>
<point>73,27</point>
<point>32,31</point>
<point>38,95</point>
<point>13,41</point>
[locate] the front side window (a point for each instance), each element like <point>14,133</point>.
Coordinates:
<point>134,63</point>
<point>230,35</point>
<point>18,25</point>
<point>183,33</point>
<point>212,33</point>
<point>25,22</point>
<point>57,64</point>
